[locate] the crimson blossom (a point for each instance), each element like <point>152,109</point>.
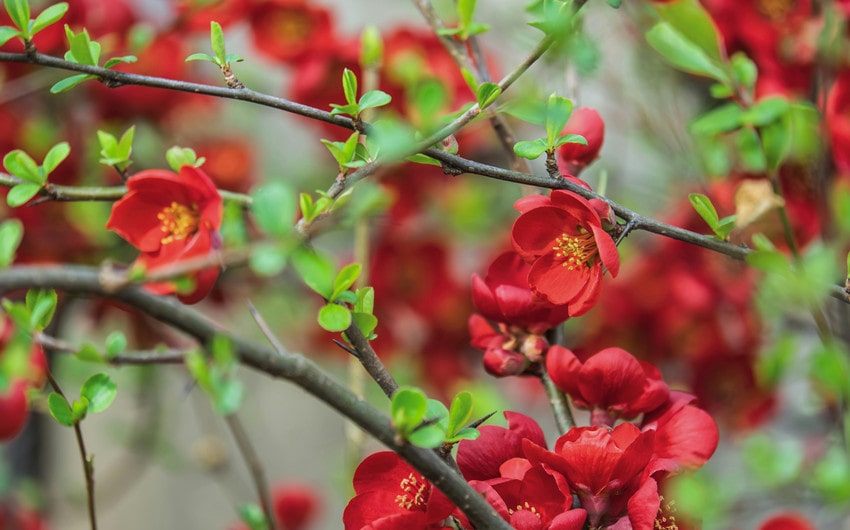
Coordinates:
<point>171,218</point>
<point>563,239</point>
<point>612,383</point>
<point>572,157</point>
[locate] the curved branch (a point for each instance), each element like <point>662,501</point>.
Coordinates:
<point>295,368</point>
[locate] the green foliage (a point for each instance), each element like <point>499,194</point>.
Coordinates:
<point>371,48</point>
<point>315,269</point>
<point>178,157</point>
<point>96,395</point>
<point>19,13</point>
<point>215,374</point>
<point>253,516</point>
<point>684,54</point>
<point>774,361</point>
<point>688,17</point>
<point>41,304</point>
<point>11,233</point>
<point>349,154</point>
<point>831,475</point>
<point>466,26</point>
<point>772,461</point>
<point>114,152</point>
<point>353,106</point>
<point>311,209</point>
<point>273,206</point>
<point>553,117</point>
<point>334,317</point>
<point>427,422</point>
<point>829,370</point>
<point>19,164</point>
<point>703,206</point>
<point>221,58</point>
<point>460,412</point>
<point>83,50</point>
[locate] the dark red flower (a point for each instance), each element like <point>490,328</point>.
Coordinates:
<point>295,505</point>
<point>507,350</point>
<point>288,30</point>
<point>572,157</point>
<point>612,383</point>
<point>14,409</point>
<point>23,365</point>
<point>481,459</point>
<point>787,521</point>
<point>685,435</point>
<point>391,495</point>
<point>505,296</point>
<point>563,239</point>
<point>171,218</point>
<point>607,470</point>
<point>838,121</point>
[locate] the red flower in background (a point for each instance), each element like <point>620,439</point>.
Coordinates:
<point>573,157</point>
<point>562,237</point>
<point>288,30</point>
<point>294,506</point>
<point>787,521</point>
<point>23,366</point>
<point>391,495</point>
<point>612,383</point>
<point>171,218</point>
<point>838,121</point>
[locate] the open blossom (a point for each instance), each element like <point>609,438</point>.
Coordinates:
<point>171,217</point>
<point>563,239</point>
<point>612,383</point>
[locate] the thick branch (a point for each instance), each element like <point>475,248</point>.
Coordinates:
<point>295,368</point>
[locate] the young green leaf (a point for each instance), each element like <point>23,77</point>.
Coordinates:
<point>691,19</point>
<point>19,12</point>
<point>349,86</point>
<point>21,193</point>
<point>558,111</point>
<point>11,233</point>
<point>8,33</point>
<point>60,410</point>
<point>316,270</point>
<point>367,323</point>
<point>372,99</point>
<point>683,54</point>
<point>408,408</point>
<point>21,165</point>
<point>178,157</point>
<point>273,207</point>
<point>459,412</point>
<point>530,149</point>
<point>112,61</point>
<point>69,82</point>
<point>42,305</point>
<point>217,42</point>
<point>48,17</point>
<point>55,156</point>
<point>570,139</point>
<point>705,209</point>
<point>487,94</point>
<point>334,317</point>
<point>115,343</point>
<point>728,117</point>
<point>100,390</point>
<point>89,353</point>
<point>345,279</point>
<point>200,56</point>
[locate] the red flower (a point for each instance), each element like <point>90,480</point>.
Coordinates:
<point>787,521</point>
<point>686,436</point>
<point>171,218</point>
<point>288,30</point>
<point>295,505</point>
<point>481,459</point>
<point>562,237</point>
<point>505,296</point>
<point>612,383</point>
<point>573,157</point>
<point>607,469</point>
<point>22,366</point>
<point>507,350</point>
<point>391,495</point>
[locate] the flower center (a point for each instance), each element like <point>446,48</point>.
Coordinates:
<point>525,506</point>
<point>178,221</point>
<point>666,518</point>
<point>775,9</point>
<point>575,251</point>
<point>413,493</point>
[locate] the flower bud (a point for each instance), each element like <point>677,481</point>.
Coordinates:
<point>571,156</point>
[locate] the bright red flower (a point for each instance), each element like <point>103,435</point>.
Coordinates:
<point>505,296</point>
<point>14,409</point>
<point>288,30</point>
<point>573,157</point>
<point>787,521</point>
<point>838,121</point>
<point>295,505</point>
<point>391,495</point>
<point>607,469</point>
<point>503,351</point>
<point>612,383</point>
<point>563,239</point>
<point>480,459</point>
<point>23,365</point>
<point>171,218</point>
<point>686,436</point>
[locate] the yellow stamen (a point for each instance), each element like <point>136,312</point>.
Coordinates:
<point>414,490</point>
<point>576,251</point>
<point>775,9</point>
<point>178,221</point>
<point>525,506</point>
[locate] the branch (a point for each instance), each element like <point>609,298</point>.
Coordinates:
<point>295,368</point>
<point>246,448</point>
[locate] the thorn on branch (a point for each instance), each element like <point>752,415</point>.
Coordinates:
<point>346,347</point>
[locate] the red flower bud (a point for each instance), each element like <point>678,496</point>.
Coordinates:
<point>588,123</point>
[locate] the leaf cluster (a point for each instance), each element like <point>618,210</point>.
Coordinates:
<point>19,164</point>
<point>427,422</point>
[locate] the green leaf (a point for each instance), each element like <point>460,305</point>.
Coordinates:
<point>100,390</point>
<point>487,94</point>
<point>558,111</point>
<point>21,193</point>
<point>683,54</point>
<point>774,361</point>
<point>21,165</point>
<point>253,516</point>
<point>349,86</point>
<point>80,409</point>
<point>367,323</point>
<point>705,209</point>
<point>766,111</point>
<point>772,462</point>
<point>123,59</point>
<point>419,158</point>
<point>408,408</point>
<point>88,352</point>
<point>316,270</point>
<point>217,42</point>
<point>200,56</point>
<point>178,157</point>
<point>273,207</point>
<point>42,305</point>
<point>768,261</point>
<point>268,259</point>
<point>8,33</point>
<point>55,156</point>
<point>427,436</point>
<point>69,82</point>
<point>725,118</point>
<point>345,279</point>
<point>60,410</point>
<point>11,233</point>
<point>570,139</point>
<point>372,99</point>
<point>227,397</point>
<point>371,47</point>
<point>465,10</point>
<point>459,412</point>
<point>750,151</point>
<point>82,49</point>
<point>744,70</point>
<point>49,16</point>
<point>530,149</point>
<point>19,12</point>
<point>615,3</point>
<point>692,20</point>
<point>115,343</point>
<point>777,141</point>
<point>365,300</point>
<point>334,317</point>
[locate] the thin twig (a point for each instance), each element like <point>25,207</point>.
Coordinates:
<point>258,474</point>
<point>370,361</point>
<point>87,461</point>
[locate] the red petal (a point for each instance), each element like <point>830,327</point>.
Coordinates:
<point>534,231</point>
<point>558,284</point>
